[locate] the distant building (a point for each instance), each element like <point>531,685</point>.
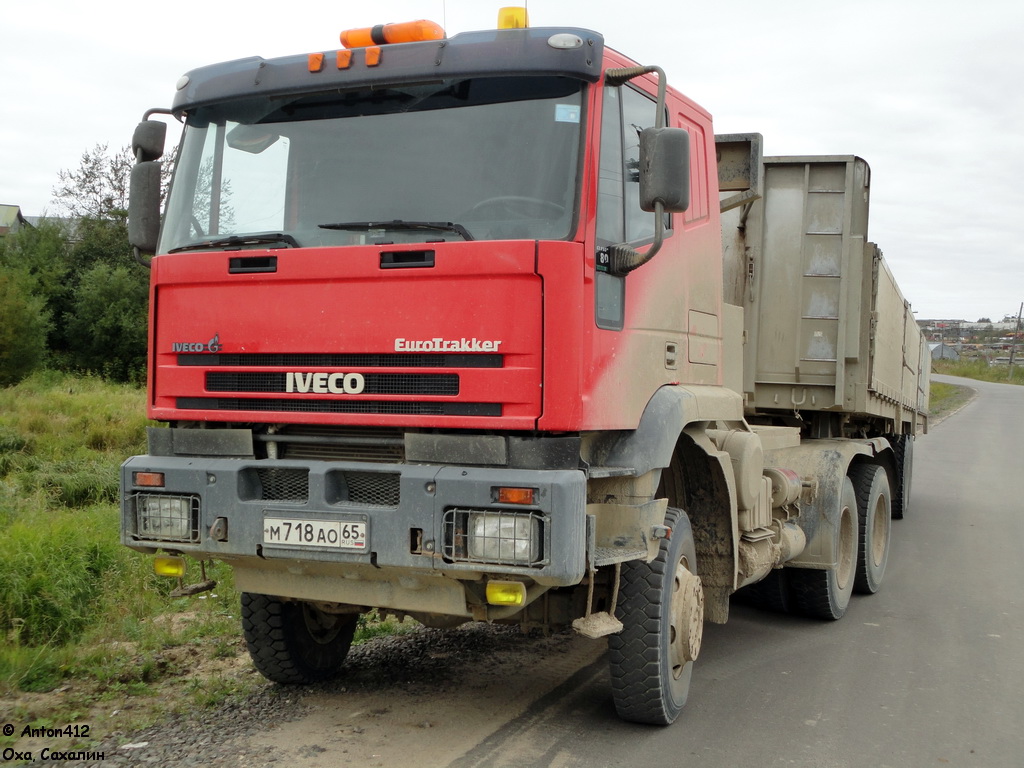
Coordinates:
<point>943,352</point>
<point>11,219</point>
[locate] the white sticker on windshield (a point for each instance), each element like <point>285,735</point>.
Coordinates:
<point>567,113</point>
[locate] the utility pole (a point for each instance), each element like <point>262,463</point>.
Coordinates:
<point>1016,340</point>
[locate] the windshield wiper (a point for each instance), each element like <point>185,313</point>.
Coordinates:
<point>438,226</point>
<point>238,241</point>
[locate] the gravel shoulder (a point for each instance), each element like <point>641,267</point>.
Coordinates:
<point>423,698</point>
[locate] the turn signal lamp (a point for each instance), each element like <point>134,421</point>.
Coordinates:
<point>168,565</point>
<point>506,593</point>
<point>514,495</point>
<point>148,479</point>
<point>382,34</point>
<point>513,17</point>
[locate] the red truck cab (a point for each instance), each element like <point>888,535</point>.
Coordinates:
<point>399,333</point>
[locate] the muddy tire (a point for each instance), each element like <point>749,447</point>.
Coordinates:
<point>822,594</point>
<point>903,448</point>
<point>769,594</point>
<point>874,506</point>
<point>661,607</point>
<point>294,642</point>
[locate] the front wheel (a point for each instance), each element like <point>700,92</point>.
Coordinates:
<point>294,642</point>
<point>661,606</point>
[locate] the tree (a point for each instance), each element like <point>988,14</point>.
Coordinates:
<point>41,252</point>
<point>102,319</point>
<point>40,257</point>
<point>98,188</point>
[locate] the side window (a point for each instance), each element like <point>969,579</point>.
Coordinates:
<point>638,112</point>
<point>610,290</point>
<point>610,227</point>
<point>619,216</point>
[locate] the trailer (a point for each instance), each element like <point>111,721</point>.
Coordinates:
<point>494,328</point>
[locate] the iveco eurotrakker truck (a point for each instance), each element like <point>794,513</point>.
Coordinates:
<point>494,328</point>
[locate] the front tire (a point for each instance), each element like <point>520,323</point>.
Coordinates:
<point>293,642</point>
<point>825,594</point>
<point>661,606</point>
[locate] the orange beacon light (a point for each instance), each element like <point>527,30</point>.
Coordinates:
<point>382,34</point>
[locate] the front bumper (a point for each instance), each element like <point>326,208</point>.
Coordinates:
<point>414,519</point>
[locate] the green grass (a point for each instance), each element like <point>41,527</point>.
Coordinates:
<point>74,603</point>
<point>85,625</point>
<point>981,370</point>
<point>945,398</point>
<point>372,625</point>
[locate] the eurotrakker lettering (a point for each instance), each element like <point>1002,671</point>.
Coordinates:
<point>438,344</point>
<point>325,383</point>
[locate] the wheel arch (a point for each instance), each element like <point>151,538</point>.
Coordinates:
<point>671,448</point>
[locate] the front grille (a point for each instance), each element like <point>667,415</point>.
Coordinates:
<point>440,384</point>
<point>337,406</point>
<point>283,484</point>
<point>398,360</point>
<point>366,489</point>
<point>331,443</point>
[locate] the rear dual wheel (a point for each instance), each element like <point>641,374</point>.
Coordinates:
<point>903,450</point>
<point>874,506</point>
<point>862,548</point>
<point>825,594</point>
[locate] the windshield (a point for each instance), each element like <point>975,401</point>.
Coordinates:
<point>480,159</point>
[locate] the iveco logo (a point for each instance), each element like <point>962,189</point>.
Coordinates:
<point>213,345</point>
<point>324,383</point>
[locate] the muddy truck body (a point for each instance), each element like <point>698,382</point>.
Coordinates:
<point>493,328</point>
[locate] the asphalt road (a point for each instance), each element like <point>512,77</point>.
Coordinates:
<point>928,672</point>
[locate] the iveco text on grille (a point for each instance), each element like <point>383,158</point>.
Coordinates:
<point>322,383</point>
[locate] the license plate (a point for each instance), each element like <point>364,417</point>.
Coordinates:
<point>333,534</point>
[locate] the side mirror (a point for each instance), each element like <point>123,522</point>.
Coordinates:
<point>665,169</point>
<point>148,140</point>
<point>144,206</point>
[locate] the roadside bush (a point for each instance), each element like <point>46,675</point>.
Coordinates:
<point>107,328</point>
<point>24,322</point>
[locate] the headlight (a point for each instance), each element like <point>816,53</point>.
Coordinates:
<point>503,537</point>
<point>163,517</point>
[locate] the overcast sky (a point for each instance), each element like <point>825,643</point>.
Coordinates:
<point>929,92</point>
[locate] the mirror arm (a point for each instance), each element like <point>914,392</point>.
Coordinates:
<point>625,74</point>
<point>157,111</point>
<point>137,255</point>
<point>623,258</point>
